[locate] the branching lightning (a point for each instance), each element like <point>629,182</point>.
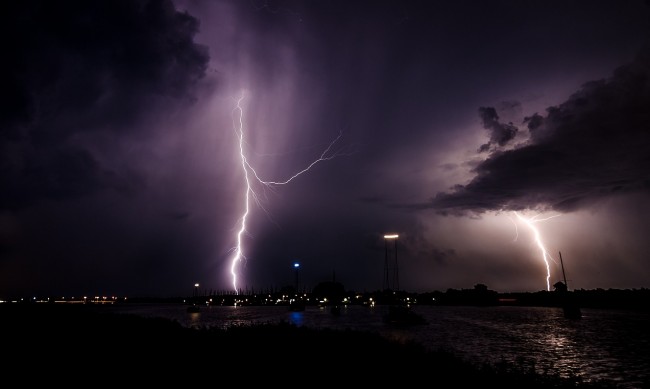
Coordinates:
<point>251,175</point>
<point>530,222</point>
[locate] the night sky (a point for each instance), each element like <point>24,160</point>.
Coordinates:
<point>121,173</point>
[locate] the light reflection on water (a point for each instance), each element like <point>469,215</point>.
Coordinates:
<point>610,345</point>
<point>297,318</point>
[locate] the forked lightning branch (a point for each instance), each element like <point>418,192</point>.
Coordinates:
<point>530,223</point>
<point>251,176</point>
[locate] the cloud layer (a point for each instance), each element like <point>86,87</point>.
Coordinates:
<point>76,67</point>
<point>593,146</point>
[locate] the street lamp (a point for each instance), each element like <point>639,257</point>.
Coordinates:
<point>387,266</point>
<point>196,290</point>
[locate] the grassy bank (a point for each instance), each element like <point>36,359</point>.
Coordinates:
<point>60,342</point>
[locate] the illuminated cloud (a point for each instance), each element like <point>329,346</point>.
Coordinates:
<point>500,133</point>
<point>593,146</point>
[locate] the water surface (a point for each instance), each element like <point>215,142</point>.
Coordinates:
<point>603,345</point>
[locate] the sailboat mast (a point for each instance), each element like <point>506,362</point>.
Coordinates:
<point>563,274</point>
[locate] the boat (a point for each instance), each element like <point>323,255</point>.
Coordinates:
<point>571,309</point>
<point>193,308</point>
<point>570,306</point>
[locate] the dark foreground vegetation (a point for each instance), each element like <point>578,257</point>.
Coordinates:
<point>78,345</point>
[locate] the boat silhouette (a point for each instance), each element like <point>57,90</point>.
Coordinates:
<point>570,307</point>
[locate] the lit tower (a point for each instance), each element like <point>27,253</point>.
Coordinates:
<point>388,267</point>
<point>296,266</point>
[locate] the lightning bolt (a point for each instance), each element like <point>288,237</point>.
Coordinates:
<point>530,222</point>
<point>251,175</point>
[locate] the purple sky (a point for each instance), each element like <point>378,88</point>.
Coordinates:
<point>121,175</point>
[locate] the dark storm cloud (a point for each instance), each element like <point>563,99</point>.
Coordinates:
<point>534,122</point>
<point>119,164</point>
<point>71,67</point>
<point>590,147</point>
<point>500,133</point>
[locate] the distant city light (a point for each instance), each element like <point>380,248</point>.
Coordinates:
<point>296,265</point>
<point>391,236</point>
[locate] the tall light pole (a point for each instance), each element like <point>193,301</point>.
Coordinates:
<point>387,266</point>
<point>296,266</point>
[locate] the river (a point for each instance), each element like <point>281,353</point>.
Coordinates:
<point>604,345</point>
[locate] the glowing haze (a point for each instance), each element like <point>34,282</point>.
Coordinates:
<point>124,167</point>
<point>249,192</point>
